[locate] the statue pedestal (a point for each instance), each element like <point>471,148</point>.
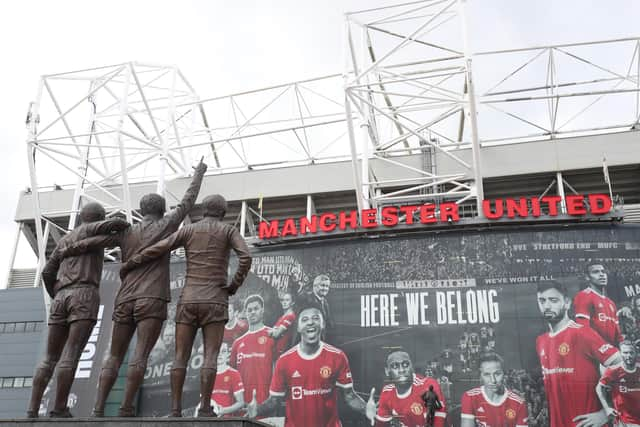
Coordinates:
<point>132,422</point>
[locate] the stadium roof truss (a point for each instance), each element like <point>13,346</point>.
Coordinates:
<point>409,82</point>
<point>413,87</point>
<point>410,88</point>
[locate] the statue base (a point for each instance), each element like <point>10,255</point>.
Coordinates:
<point>132,422</point>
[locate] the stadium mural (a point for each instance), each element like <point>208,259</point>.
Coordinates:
<point>509,327</point>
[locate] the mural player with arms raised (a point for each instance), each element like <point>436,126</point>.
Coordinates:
<point>308,377</point>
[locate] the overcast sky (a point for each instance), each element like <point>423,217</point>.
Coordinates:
<point>224,47</point>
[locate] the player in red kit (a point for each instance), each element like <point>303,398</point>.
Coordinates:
<point>570,355</point>
<point>235,327</point>
<point>252,354</point>
<point>227,396</point>
<point>282,331</point>
<point>593,308</point>
<point>401,399</point>
<point>622,383</point>
<point>308,377</point>
<point>492,404</point>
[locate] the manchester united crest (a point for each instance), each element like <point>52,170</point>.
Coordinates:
<point>325,372</point>
<point>226,378</point>
<point>510,414</point>
<point>262,340</point>
<point>417,408</point>
<point>563,349</point>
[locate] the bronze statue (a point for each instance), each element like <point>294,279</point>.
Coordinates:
<point>205,296</point>
<point>73,284</point>
<point>141,301</point>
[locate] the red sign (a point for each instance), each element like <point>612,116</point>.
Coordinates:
<point>446,212</point>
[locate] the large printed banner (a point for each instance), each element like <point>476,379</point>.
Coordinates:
<point>403,313</point>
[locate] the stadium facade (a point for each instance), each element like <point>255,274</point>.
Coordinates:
<point>414,120</point>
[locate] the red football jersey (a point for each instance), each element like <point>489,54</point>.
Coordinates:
<point>598,312</point>
<point>252,355</point>
<point>625,391</point>
<point>570,360</point>
<point>284,342</point>
<point>309,384</point>
<point>409,408</point>
<point>510,411</point>
<point>227,383</point>
<point>236,331</point>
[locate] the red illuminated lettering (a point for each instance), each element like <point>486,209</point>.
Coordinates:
<point>350,217</point>
<point>428,214</point>
<point>327,222</point>
<point>575,204</point>
<point>535,207</point>
<point>517,206</point>
<point>389,216</point>
<point>267,230</point>
<point>369,218</point>
<point>309,225</point>
<point>408,211</point>
<point>599,203</point>
<point>552,203</point>
<point>289,228</point>
<point>449,211</point>
<point>492,214</point>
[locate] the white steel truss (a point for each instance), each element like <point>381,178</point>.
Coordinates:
<point>406,92</point>
<point>409,82</point>
<point>557,91</point>
<point>412,86</point>
<point>109,128</point>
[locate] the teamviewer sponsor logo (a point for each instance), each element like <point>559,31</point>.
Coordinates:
<point>557,370</point>
<point>604,348</point>
<point>604,318</point>
<point>296,392</point>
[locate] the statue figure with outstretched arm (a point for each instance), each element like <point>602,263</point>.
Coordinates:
<point>141,300</point>
<point>205,296</point>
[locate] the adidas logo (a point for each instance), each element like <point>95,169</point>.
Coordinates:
<point>296,374</point>
<point>481,409</point>
<point>622,380</point>
<point>241,344</point>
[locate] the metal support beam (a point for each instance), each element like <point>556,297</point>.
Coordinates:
<point>311,207</point>
<point>126,202</point>
<point>243,218</point>
<point>472,112</point>
<point>560,184</point>
<point>12,257</point>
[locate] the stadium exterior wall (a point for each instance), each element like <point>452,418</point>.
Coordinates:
<point>443,297</point>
